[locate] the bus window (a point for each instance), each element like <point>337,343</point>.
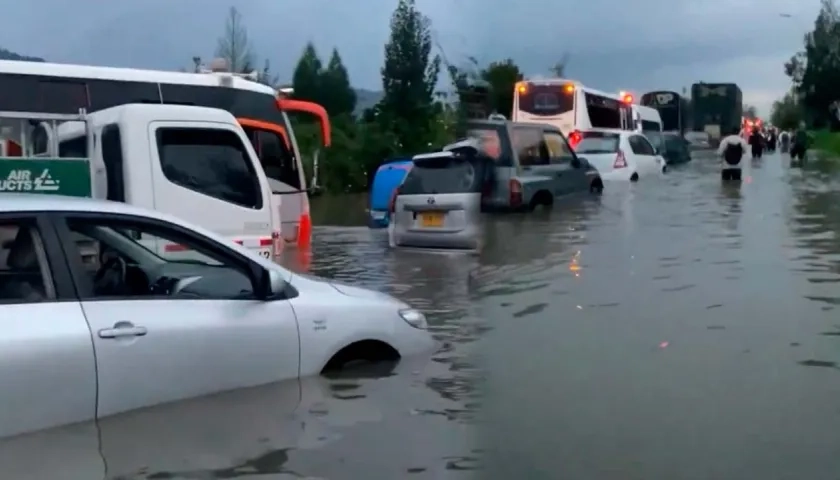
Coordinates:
<point>62,96</point>
<point>277,160</point>
<point>604,112</point>
<point>545,100</point>
<point>110,93</point>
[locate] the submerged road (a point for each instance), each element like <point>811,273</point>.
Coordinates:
<point>672,329</point>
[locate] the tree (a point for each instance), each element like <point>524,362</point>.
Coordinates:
<point>502,77</point>
<point>409,77</point>
<point>234,46</point>
<point>306,79</point>
<point>786,113</point>
<point>339,97</point>
<point>815,72</point>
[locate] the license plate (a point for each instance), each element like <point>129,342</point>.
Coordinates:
<point>377,215</point>
<point>431,219</point>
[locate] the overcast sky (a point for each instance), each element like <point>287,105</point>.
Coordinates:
<point>638,45</point>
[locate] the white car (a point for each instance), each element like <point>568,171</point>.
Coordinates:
<point>95,323</point>
<point>621,155</point>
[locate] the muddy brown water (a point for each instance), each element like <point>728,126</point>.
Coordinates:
<point>674,329</point>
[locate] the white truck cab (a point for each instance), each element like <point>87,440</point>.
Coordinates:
<point>192,162</point>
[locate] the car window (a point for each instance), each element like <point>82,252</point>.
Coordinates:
<point>213,162</point>
<point>640,145</point>
<point>606,143</point>
<point>528,143</point>
<point>24,272</point>
<point>443,175</point>
<point>136,259</point>
<point>558,149</point>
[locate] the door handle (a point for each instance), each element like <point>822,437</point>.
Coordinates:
<point>122,329</point>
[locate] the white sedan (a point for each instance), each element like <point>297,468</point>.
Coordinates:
<point>621,155</point>
<point>89,336</point>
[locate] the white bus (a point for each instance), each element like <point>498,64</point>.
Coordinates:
<point>570,106</point>
<point>259,109</point>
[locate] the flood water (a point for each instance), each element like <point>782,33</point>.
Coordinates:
<point>675,329</point>
<point>671,329</point>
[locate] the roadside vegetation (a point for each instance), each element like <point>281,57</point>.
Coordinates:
<point>814,97</point>
<point>413,113</point>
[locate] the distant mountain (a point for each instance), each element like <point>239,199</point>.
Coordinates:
<point>7,55</point>
<point>366,99</point>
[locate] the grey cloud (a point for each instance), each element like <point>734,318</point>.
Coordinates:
<point>612,44</point>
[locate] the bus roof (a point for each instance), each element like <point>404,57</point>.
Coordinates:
<point>64,70</point>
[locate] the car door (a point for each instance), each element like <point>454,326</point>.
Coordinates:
<point>167,330</point>
<point>644,153</point>
<point>561,157</point>
<point>533,159</point>
<point>48,370</point>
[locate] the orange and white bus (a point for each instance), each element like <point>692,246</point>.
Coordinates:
<point>570,106</point>
<point>260,110</point>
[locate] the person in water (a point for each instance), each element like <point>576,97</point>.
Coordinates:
<point>784,141</point>
<point>732,149</point>
<point>800,144</point>
<point>757,143</point>
<point>771,140</point>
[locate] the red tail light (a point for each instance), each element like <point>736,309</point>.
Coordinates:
<point>515,193</point>
<point>620,160</point>
<point>575,138</point>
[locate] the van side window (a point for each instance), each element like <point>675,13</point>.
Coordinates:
<point>558,148</point>
<point>277,161</point>
<point>112,156</point>
<point>210,161</point>
<point>527,142</point>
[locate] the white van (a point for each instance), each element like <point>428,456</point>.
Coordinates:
<point>646,119</point>
<point>192,162</point>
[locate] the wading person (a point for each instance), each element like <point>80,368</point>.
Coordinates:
<point>800,144</point>
<point>757,143</point>
<point>732,149</point>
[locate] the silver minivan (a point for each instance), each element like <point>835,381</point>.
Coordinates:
<point>438,204</point>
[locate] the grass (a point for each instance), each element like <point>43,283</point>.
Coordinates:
<point>826,141</point>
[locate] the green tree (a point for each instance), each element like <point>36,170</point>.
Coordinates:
<point>786,113</point>
<point>306,78</point>
<point>409,77</point>
<point>234,46</point>
<point>815,72</point>
<point>339,96</point>
<point>502,77</point>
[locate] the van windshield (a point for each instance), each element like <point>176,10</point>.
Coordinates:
<point>443,175</point>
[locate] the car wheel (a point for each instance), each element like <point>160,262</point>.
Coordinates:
<point>597,186</point>
<point>664,168</point>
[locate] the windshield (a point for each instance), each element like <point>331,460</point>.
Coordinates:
<point>595,142</point>
<point>546,100</point>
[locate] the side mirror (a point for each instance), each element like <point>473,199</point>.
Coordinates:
<point>576,163</point>
<point>272,285</point>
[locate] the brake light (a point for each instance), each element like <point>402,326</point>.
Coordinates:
<point>522,88</point>
<point>620,160</point>
<point>569,88</point>
<point>575,138</point>
<point>515,193</point>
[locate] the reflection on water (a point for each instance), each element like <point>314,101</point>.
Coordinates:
<point>677,328</point>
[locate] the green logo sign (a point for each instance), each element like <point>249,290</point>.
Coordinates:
<point>45,175</point>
